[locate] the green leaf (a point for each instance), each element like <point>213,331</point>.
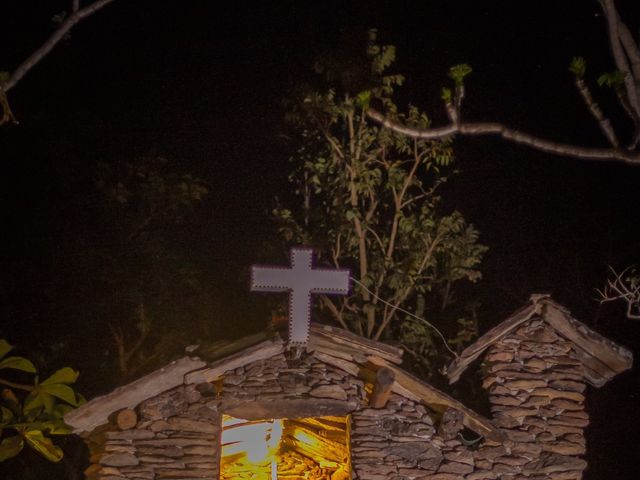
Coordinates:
<point>18,363</point>
<point>43,445</point>
<point>578,66</point>
<point>56,427</point>
<point>446,95</point>
<point>4,76</point>
<point>458,72</point>
<point>364,99</point>
<point>4,347</point>
<point>61,391</point>
<point>64,375</point>
<point>611,80</point>
<point>7,415</point>
<point>10,447</point>
<point>33,401</point>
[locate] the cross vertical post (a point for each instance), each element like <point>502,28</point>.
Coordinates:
<point>301,281</point>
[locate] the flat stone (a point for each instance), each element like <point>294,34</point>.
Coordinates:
<point>188,425</point>
<point>134,434</point>
<point>329,391</point>
<point>119,460</point>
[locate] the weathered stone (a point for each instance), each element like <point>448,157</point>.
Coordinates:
<point>134,434</point>
<point>564,448</point>
<point>482,475</point>
<point>329,391</point>
<point>119,460</point>
<point>169,451</point>
<point>455,467</point>
<point>505,400</point>
<point>188,425</point>
<point>462,455</point>
<point>185,473</point>
<point>550,462</point>
<point>489,453</point>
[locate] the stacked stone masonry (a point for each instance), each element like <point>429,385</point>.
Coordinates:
<point>536,390</point>
<point>534,381</point>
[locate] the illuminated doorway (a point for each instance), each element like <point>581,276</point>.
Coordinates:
<point>307,448</point>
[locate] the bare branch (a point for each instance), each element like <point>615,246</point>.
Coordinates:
<point>623,286</point>
<point>594,108</point>
<point>490,128</point>
<point>613,24</point>
<point>7,114</point>
<point>52,41</point>
<point>326,301</point>
<point>631,48</point>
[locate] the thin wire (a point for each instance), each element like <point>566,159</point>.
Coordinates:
<point>444,341</point>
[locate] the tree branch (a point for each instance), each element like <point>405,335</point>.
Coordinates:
<point>515,136</point>
<point>613,24</point>
<point>52,41</point>
<point>624,286</point>
<point>594,108</point>
<point>7,114</point>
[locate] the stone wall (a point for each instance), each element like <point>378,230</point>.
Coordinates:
<point>177,433</point>
<point>536,389</point>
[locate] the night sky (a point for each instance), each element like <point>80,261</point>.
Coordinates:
<point>203,85</point>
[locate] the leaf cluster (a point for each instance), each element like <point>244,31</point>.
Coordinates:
<point>369,200</point>
<point>32,412</point>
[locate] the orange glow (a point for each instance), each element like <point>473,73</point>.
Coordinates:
<point>310,448</point>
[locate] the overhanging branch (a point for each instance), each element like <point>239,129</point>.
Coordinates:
<point>52,41</point>
<point>515,136</point>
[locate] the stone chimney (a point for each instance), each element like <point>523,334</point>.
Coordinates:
<point>536,369</point>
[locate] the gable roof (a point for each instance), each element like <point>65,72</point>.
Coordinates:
<point>602,359</point>
<point>354,354</point>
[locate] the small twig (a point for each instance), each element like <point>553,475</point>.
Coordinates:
<point>624,289</point>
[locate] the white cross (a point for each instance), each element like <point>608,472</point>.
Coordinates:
<point>301,280</point>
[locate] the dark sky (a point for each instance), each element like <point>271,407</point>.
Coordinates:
<point>202,83</point>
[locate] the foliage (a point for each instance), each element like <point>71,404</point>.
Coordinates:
<point>147,285</point>
<point>578,66</point>
<point>30,413</point>
<point>370,201</point>
<point>458,72</point>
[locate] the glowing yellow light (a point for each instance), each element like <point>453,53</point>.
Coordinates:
<point>306,438</point>
<point>257,440</point>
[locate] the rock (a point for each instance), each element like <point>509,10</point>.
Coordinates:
<point>186,473</point>
<point>188,425</point>
<point>129,435</point>
<point>329,391</point>
<point>119,460</point>
<point>564,448</point>
<point>455,467</point>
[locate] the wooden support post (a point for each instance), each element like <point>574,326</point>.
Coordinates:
<point>382,388</point>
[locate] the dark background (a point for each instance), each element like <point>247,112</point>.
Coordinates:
<point>202,84</point>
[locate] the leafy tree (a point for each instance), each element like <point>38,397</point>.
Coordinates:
<point>32,412</point>
<point>623,81</point>
<point>149,290</point>
<point>370,201</point>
